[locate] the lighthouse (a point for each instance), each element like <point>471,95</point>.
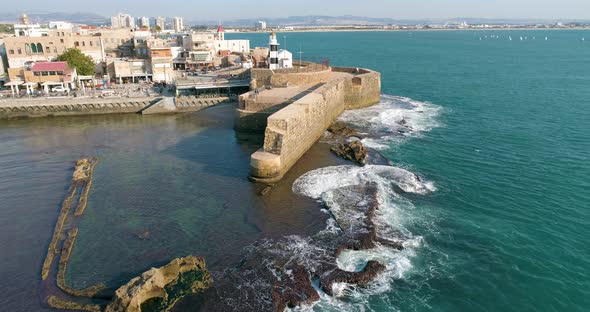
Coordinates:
<point>273,59</point>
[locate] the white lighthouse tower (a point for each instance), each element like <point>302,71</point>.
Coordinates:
<point>273,58</point>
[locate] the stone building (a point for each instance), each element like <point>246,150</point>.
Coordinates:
<point>162,70</point>
<point>20,50</point>
<point>45,75</point>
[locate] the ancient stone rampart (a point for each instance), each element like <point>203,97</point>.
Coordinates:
<point>294,129</point>
<point>363,90</point>
<point>308,74</point>
<point>291,131</point>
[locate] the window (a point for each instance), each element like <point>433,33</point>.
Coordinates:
<point>90,43</point>
<point>55,50</point>
<point>83,43</point>
<point>44,73</point>
<point>39,48</point>
<point>51,73</point>
<point>37,74</point>
<point>47,49</point>
<point>33,48</point>
<point>27,48</point>
<point>76,44</point>
<point>61,40</point>
<point>19,51</point>
<point>273,47</point>
<point>60,73</point>
<point>11,51</point>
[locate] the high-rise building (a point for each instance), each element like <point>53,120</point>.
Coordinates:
<point>160,23</point>
<point>178,24</point>
<point>144,22</point>
<point>260,25</point>
<point>123,21</point>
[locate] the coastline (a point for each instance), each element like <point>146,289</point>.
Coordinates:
<point>329,30</point>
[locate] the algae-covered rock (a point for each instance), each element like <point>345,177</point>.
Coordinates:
<point>354,151</point>
<point>63,304</point>
<point>160,288</point>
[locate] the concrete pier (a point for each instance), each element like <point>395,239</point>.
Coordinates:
<point>295,110</point>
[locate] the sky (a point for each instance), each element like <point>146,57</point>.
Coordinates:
<point>236,9</point>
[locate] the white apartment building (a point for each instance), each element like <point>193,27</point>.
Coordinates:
<point>160,22</point>
<point>144,22</point>
<point>178,24</point>
<point>123,21</point>
<point>260,25</point>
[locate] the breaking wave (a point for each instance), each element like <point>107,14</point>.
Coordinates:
<point>383,126</point>
<point>393,120</point>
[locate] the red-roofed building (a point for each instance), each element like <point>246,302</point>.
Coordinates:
<point>50,73</point>
<point>220,32</point>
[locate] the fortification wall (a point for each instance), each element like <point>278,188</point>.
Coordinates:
<point>309,74</point>
<point>294,129</point>
<point>291,131</point>
<point>363,90</point>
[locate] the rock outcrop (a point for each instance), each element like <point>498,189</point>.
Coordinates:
<point>160,288</point>
<point>362,278</point>
<point>352,150</point>
<point>293,289</point>
<point>276,274</point>
<point>340,129</point>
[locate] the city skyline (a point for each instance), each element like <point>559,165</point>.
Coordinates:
<point>234,9</point>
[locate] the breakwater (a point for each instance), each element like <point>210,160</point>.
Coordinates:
<point>294,112</point>
<point>95,106</point>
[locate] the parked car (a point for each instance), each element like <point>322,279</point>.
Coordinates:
<point>59,89</point>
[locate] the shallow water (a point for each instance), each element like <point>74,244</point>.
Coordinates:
<point>165,187</point>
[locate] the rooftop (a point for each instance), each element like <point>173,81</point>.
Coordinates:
<point>50,66</point>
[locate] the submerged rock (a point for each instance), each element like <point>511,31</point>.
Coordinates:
<point>293,289</point>
<point>340,129</point>
<point>160,288</point>
<point>362,278</point>
<point>353,150</point>
<point>279,274</point>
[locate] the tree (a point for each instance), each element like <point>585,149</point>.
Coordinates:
<point>84,64</point>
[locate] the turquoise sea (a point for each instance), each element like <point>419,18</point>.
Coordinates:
<point>498,132</point>
<point>509,225</point>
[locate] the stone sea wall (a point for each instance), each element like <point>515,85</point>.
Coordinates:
<point>72,106</point>
<point>309,74</point>
<point>291,131</point>
<point>363,90</point>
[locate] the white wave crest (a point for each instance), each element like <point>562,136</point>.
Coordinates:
<point>393,120</point>
<point>317,182</point>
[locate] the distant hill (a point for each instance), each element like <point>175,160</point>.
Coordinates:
<point>314,20</point>
<point>43,17</point>
<point>311,20</point>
